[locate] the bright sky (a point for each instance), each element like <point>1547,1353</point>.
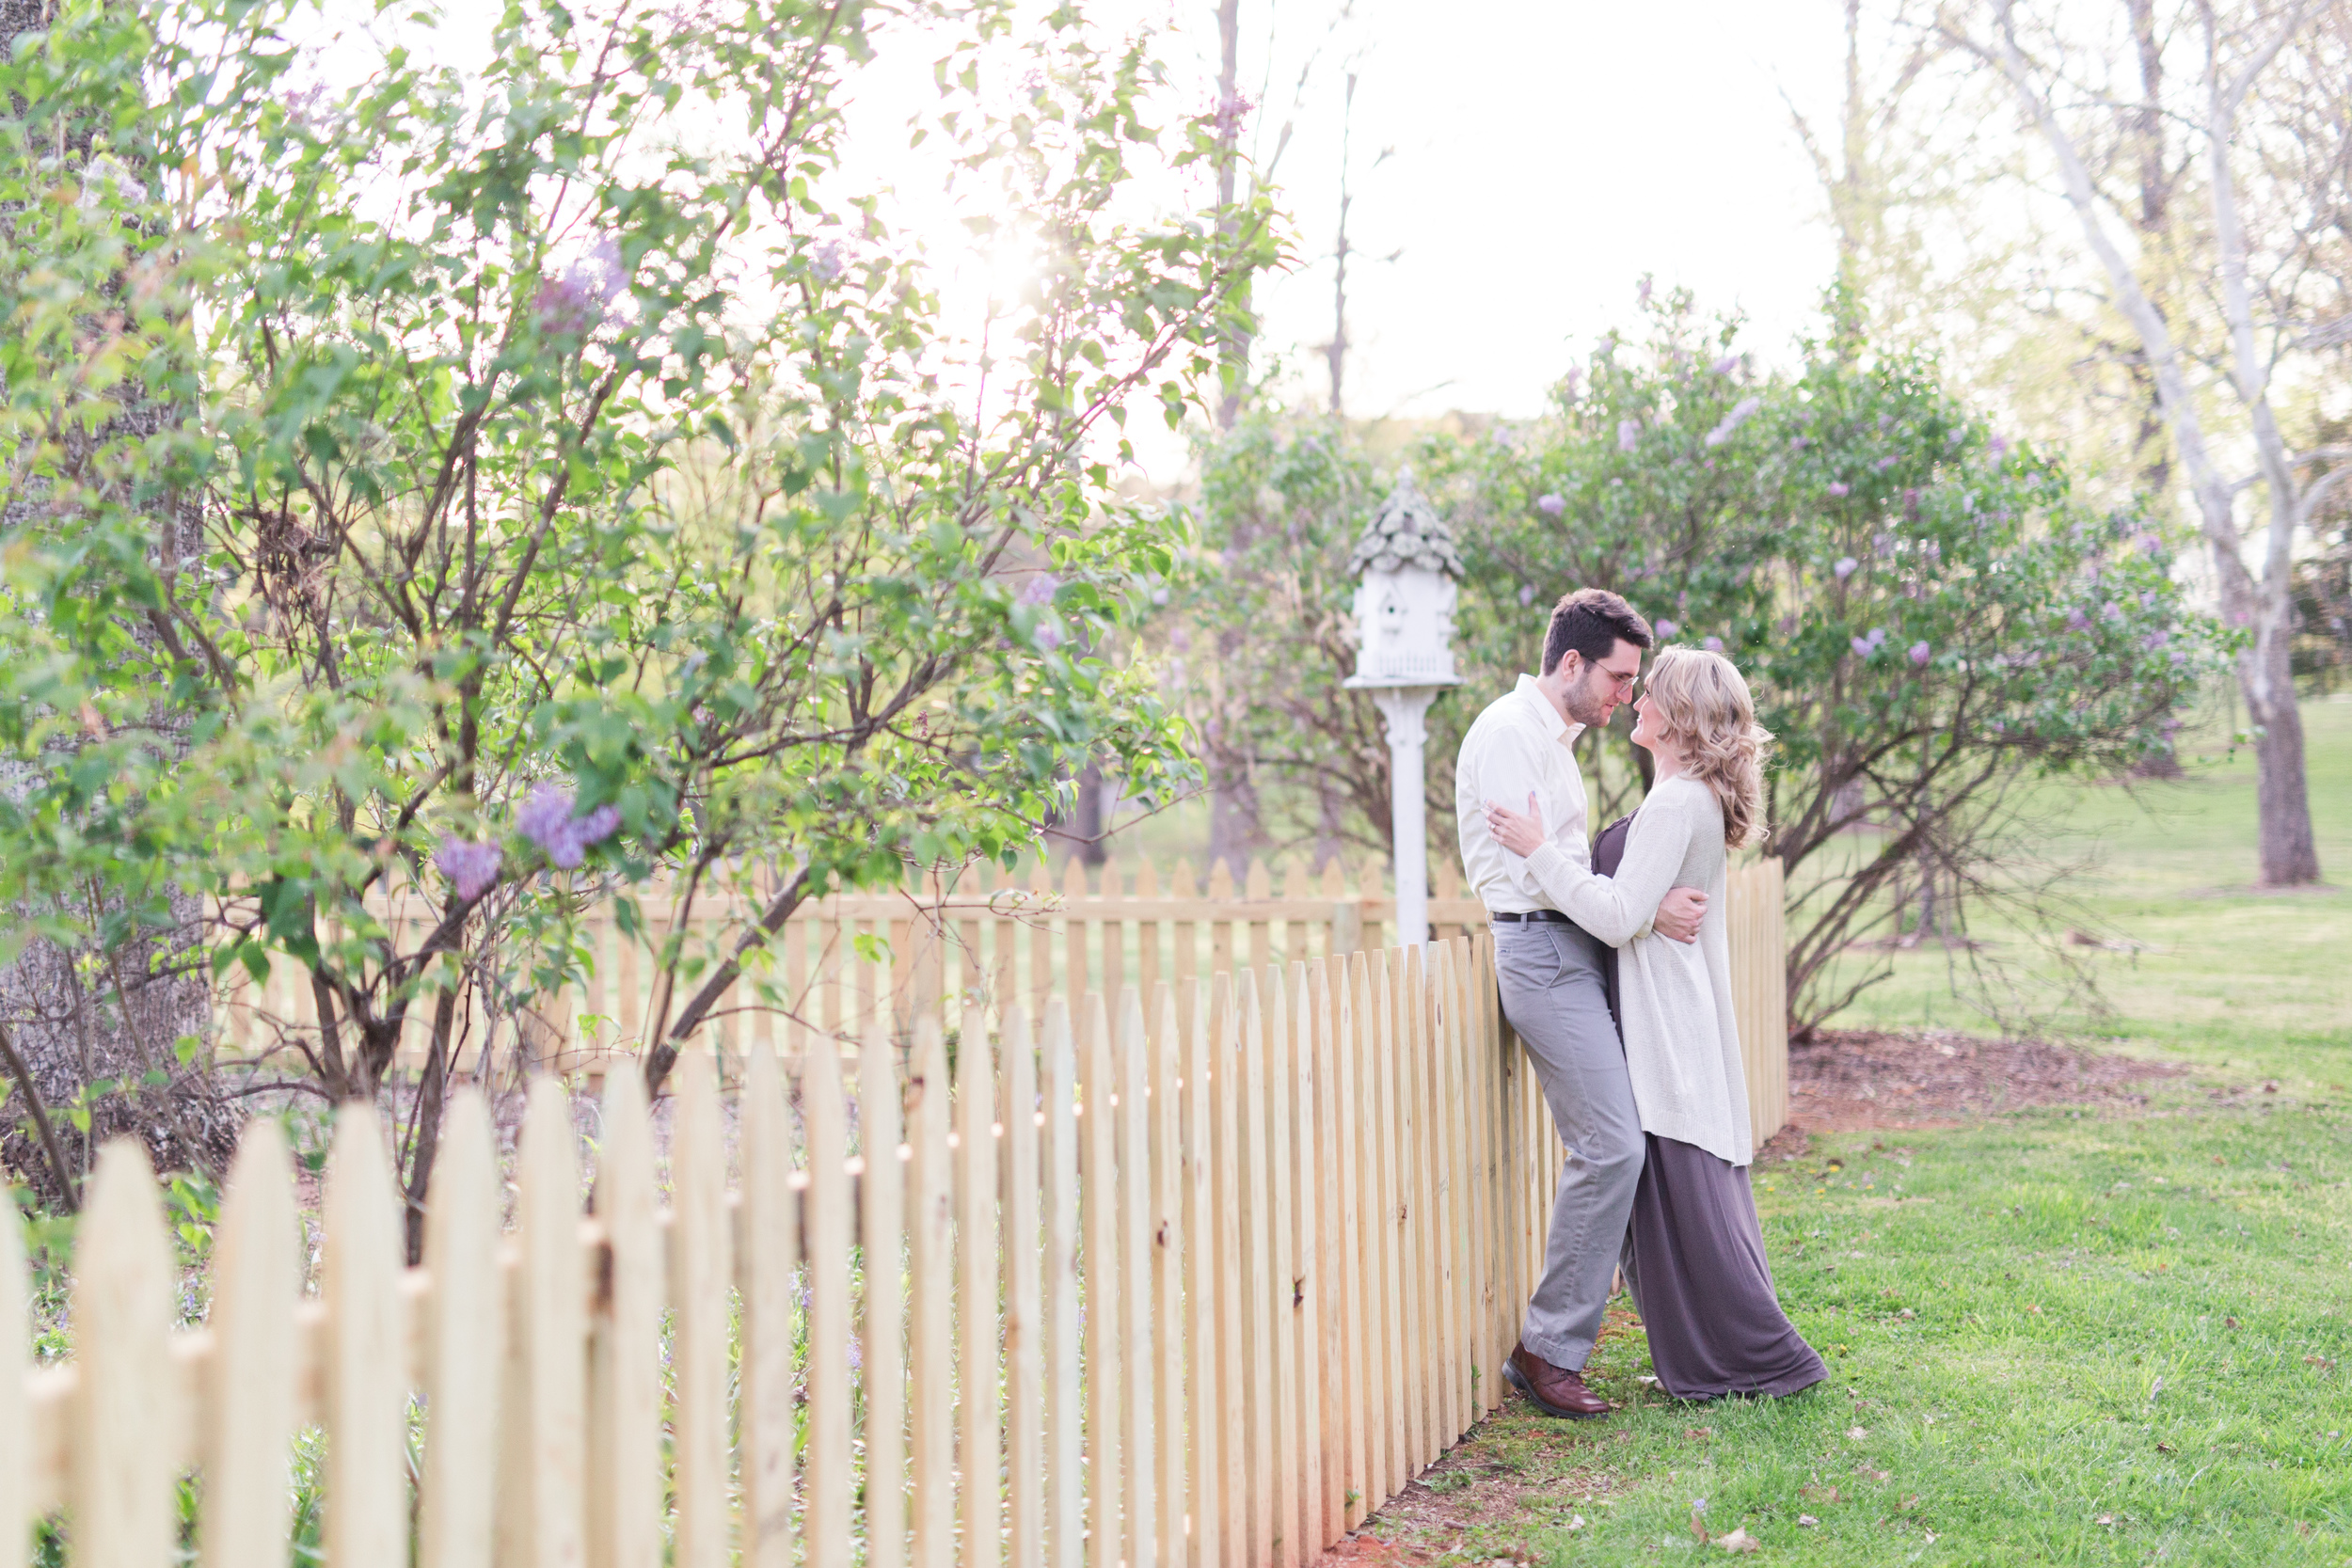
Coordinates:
<point>1547,154</point>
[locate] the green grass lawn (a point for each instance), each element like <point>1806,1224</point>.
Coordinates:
<point>2226,976</point>
<point>2051,1339</point>
<point>2056,1337</point>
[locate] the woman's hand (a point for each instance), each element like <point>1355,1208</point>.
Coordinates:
<point>1516,833</point>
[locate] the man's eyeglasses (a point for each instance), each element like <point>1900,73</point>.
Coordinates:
<point>1624,684</point>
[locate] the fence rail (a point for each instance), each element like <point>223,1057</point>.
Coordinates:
<point>1151,1285</point>
<point>989,940</point>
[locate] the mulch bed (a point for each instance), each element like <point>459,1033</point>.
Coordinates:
<point>1848,1080</point>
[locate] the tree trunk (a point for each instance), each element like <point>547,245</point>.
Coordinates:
<point>2288,854</point>
<point>1085,835</point>
<point>1230,112</point>
<point>1234,831</point>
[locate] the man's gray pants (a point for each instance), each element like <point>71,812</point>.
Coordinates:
<point>1556,1001</point>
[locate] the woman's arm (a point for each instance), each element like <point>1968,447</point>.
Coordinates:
<point>1614,908</point>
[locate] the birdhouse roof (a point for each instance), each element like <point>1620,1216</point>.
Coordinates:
<point>1406,531</point>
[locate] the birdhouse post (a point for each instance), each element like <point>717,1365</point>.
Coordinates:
<point>1408,569</point>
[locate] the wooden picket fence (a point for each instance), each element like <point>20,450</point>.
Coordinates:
<point>1147,1287</point>
<point>988,941</point>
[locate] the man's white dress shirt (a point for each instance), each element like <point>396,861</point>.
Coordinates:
<point>1518,745</point>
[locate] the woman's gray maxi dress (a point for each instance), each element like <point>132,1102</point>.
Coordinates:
<point>1693,1257</point>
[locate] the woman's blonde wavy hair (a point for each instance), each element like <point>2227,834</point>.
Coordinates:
<point>1702,702</point>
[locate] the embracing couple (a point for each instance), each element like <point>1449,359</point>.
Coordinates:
<point>1636,1050</point>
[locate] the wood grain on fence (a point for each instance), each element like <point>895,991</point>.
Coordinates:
<point>1198,1283</point>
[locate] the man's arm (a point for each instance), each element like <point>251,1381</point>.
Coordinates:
<point>1512,768</point>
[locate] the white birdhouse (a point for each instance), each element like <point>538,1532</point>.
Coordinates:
<point>1404,604</point>
<point>1403,658</point>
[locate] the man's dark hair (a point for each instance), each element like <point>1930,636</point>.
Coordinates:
<point>1591,620</point>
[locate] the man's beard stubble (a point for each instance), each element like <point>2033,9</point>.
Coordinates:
<point>1584,704</point>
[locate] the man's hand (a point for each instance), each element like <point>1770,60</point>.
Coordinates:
<point>1679,913</point>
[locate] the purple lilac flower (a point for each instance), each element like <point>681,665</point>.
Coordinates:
<point>2111,612</point>
<point>827,261</point>
<point>1232,109</point>
<point>1048,636</point>
<point>1551,505</point>
<point>1527,594</point>
<point>2180,659</point>
<point>1839,487</point>
<point>1040,589</point>
<point>1860,646</point>
<point>1998,446</point>
<point>1665,628</point>
<point>2148,599</point>
<point>1921,653</point>
<point>1886,421</point>
<point>471,867</point>
<point>1629,435</point>
<point>1569,383</point>
<point>1728,364</point>
<point>1885,463</point>
<point>2078,620</point>
<point>1798,443</point>
<point>1881,544</point>
<point>547,820</point>
<point>2151,545</point>
<point>543,815</point>
<point>1714,644</point>
<point>1878,636</point>
<point>1641,294</point>
<point>304,109</point>
<point>1846,567</point>
<point>576,302</point>
<point>1733,421</point>
<point>2155,639</point>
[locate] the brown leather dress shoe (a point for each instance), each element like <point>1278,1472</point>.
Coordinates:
<point>1554,1390</point>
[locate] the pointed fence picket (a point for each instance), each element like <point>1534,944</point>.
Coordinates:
<point>1200,1282</point>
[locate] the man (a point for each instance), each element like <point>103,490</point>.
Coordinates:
<point>1551,976</point>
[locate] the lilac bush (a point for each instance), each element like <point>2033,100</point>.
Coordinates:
<point>1927,615</point>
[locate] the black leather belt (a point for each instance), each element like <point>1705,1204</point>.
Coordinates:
<point>1533,916</point>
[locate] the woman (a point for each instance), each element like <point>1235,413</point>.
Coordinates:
<point>1694,1253</point>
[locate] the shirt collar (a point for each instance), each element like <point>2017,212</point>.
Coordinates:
<point>1559,729</point>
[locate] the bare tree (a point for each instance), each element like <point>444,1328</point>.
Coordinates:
<point>2261,290</point>
<point>1235,812</point>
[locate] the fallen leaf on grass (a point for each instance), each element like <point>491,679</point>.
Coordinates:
<point>1909,1503</point>
<point>1807,1521</point>
<point>1857,1434</point>
<point>2164,1448</point>
<point>1882,1477</point>
<point>1740,1541</point>
<point>1576,1523</point>
<point>1819,1493</point>
<point>1699,1431</point>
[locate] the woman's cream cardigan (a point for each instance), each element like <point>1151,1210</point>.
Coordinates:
<point>1681,1042</point>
